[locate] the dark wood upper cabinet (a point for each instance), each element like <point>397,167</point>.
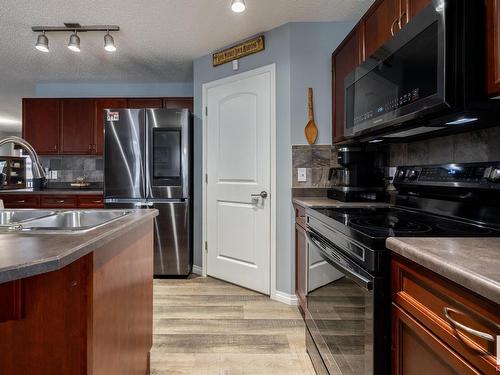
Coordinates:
<point>41,123</point>
<point>380,23</point>
<point>141,103</point>
<point>177,103</point>
<point>493,47</point>
<point>344,60</point>
<point>99,106</point>
<point>77,126</point>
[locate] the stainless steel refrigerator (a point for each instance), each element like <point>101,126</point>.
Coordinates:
<point>148,164</point>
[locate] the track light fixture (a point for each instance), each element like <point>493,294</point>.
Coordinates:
<point>42,42</point>
<point>238,6</point>
<point>109,43</point>
<point>74,42</point>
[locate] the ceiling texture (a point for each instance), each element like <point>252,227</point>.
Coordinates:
<point>157,42</point>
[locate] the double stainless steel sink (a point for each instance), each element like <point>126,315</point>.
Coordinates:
<point>36,221</point>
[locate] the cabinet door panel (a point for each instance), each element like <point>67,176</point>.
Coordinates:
<point>301,264</point>
<point>493,46</point>
<point>77,126</point>
<point>99,106</point>
<point>178,103</point>
<point>41,124</point>
<point>140,103</point>
<point>416,351</point>
<point>21,201</point>
<point>58,201</point>
<point>90,201</point>
<point>378,24</point>
<point>344,60</point>
<point>413,7</point>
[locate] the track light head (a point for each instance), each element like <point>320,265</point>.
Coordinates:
<point>42,43</point>
<point>109,43</point>
<point>238,6</point>
<point>74,42</point>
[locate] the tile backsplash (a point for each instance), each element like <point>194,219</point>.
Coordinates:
<point>317,160</point>
<point>70,167</point>
<point>475,146</point>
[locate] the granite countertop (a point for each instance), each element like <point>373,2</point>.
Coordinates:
<point>317,202</point>
<point>473,263</point>
<point>53,191</point>
<point>24,255</point>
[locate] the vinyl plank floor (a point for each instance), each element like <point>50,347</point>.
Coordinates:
<point>204,326</point>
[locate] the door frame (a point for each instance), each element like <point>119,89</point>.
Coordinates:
<point>271,69</point>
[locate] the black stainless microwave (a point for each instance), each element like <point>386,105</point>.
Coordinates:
<point>430,77</point>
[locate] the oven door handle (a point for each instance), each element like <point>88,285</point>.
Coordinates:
<point>357,278</point>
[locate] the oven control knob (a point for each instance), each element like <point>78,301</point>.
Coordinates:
<point>494,174</point>
<point>401,173</point>
<point>413,175</point>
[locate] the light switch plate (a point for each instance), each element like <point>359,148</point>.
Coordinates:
<point>301,174</point>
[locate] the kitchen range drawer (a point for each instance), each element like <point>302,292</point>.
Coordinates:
<point>20,201</point>
<point>59,201</point>
<point>466,322</point>
<point>90,201</point>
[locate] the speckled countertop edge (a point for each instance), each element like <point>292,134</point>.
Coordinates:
<point>81,245</point>
<point>460,274</point>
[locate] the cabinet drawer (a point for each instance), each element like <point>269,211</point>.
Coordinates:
<point>20,201</point>
<point>466,322</point>
<point>90,201</point>
<point>59,201</point>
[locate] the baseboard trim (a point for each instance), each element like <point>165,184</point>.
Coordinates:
<point>289,299</point>
<point>197,270</point>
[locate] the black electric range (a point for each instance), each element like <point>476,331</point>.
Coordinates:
<point>456,200</point>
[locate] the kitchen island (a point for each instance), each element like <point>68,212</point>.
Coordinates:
<point>80,302</point>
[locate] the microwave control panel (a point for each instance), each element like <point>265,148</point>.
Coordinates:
<point>475,175</point>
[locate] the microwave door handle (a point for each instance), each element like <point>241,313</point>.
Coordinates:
<point>358,279</point>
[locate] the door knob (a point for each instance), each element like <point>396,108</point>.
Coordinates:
<point>262,194</point>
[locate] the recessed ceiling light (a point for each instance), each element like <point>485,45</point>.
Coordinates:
<point>109,43</point>
<point>238,6</point>
<point>463,120</point>
<point>42,43</point>
<point>376,141</point>
<point>74,42</point>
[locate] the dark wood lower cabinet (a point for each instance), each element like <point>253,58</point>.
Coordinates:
<point>416,351</point>
<point>52,201</point>
<point>92,317</point>
<point>426,339</point>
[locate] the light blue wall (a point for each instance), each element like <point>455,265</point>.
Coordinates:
<point>93,90</point>
<point>311,65</point>
<point>301,52</point>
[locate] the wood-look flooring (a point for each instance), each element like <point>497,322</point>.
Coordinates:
<point>205,326</point>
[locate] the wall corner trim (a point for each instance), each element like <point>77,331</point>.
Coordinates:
<point>197,270</point>
<point>289,299</point>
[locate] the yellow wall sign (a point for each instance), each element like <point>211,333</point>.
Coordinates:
<point>238,51</point>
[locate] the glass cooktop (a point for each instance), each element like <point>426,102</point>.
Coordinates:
<point>397,222</point>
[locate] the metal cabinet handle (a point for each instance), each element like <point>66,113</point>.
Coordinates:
<point>472,331</point>
<point>392,25</point>
<point>21,201</point>
<point>262,194</point>
<point>60,201</point>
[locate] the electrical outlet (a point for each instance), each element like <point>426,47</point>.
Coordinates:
<point>301,174</point>
<point>53,175</point>
<point>236,64</point>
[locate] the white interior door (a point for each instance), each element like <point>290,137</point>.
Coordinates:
<point>238,166</point>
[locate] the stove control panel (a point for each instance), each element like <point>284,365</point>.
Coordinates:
<point>474,175</point>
